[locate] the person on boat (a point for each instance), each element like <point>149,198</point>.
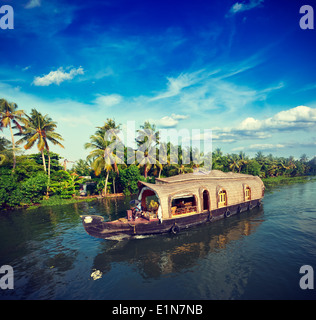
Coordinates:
<point>137,210</point>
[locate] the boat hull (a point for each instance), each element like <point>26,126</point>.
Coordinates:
<point>95,225</point>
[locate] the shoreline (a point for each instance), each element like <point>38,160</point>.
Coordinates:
<point>56,201</point>
<point>269,183</point>
<point>285,180</point>
<point>97,196</point>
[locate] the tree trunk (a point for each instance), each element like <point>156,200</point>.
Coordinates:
<point>113,184</point>
<point>160,169</point>
<point>43,157</point>
<point>48,181</point>
<point>106,182</point>
<point>13,147</point>
<point>145,173</point>
<point>48,164</point>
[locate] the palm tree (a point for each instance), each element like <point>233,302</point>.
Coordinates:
<point>148,158</point>
<point>41,129</point>
<point>243,161</point>
<point>149,129</point>
<point>197,158</point>
<point>217,159</point>
<point>167,154</point>
<point>260,157</point>
<point>146,154</point>
<point>233,159</point>
<point>109,126</point>
<point>303,158</point>
<point>103,156</point>
<point>8,115</point>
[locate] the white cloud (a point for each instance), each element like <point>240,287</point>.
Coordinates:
<point>265,146</point>
<point>33,4</point>
<point>26,68</point>
<point>250,124</point>
<point>175,85</point>
<point>179,116</point>
<point>296,118</point>
<point>260,147</point>
<point>167,122</point>
<point>57,77</point>
<point>108,100</point>
<point>239,7</point>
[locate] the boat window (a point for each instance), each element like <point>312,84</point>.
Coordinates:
<point>222,199</point>
<point>185,204</point>
<point>247,194</point>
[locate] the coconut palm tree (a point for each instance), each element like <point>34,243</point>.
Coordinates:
<point>148,131</point>
<point>40,129</point>
<point>303,158</point>
<point>146,154</point>
<point>233,160</point>
<point>10,115</point>
<point>103,156</point>
<point>148,158</point>
<point>242,161</point>
<point>217,159</point>
<point>168,154</point>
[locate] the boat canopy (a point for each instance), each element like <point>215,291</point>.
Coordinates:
<point>199,186</point>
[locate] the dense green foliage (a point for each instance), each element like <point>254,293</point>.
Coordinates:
<point>128,179</point>
<point>29,184</point>
<point>15,193</point>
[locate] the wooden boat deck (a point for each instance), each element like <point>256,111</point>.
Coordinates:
<point>139,220</point>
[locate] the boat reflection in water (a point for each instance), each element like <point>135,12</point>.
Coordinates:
<point>158,255</point>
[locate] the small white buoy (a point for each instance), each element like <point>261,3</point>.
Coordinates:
<point>88,219</point>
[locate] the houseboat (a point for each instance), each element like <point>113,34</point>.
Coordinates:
<point>180,202</point>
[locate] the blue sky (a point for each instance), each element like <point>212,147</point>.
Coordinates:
<point>244,69</point>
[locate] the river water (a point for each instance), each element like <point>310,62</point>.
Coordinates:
<point>254,255</point>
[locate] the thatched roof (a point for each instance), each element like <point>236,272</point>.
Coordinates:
<point>202,175</point>
<point>194,184</point>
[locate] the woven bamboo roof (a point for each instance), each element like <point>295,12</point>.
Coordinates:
<point>201,175</point>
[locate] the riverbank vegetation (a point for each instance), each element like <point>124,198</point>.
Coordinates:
<point>43,178</point>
